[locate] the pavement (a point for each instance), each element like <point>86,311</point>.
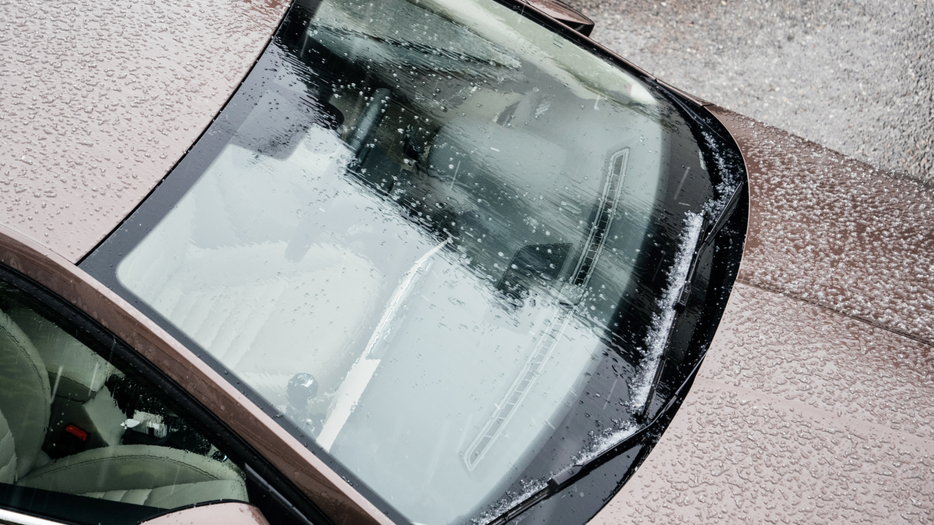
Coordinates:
<point>856,76</point>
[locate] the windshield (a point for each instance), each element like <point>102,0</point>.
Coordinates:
<point>418,231</point>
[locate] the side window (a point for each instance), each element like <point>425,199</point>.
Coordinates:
<point>87,438</point>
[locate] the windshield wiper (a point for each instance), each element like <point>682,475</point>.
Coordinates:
<point>725,213</point>
<point>574,473</point>
<point>704,242</point>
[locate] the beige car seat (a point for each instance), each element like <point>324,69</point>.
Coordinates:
<point>25,396</point>
<point>146,475</point>
<point>7,454</point>
<point>75,371</point>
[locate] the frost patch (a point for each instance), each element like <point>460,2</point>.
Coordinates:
<point>604,441</point>
<point>730,178</point>
<point>504,505</point>
<point>661,322</point>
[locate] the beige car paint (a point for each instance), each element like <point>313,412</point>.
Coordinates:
<point>798,415</point>
<point>98,100</point>
<point>836,232</point>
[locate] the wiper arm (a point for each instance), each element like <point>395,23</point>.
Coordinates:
<point>707,242</point>
<point>575,473</point>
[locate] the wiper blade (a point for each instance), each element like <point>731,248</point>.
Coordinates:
<point>705,241</point>
<point>574,473</point>
<point>725,213</point>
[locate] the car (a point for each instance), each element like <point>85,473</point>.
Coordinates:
<point>433,261</point>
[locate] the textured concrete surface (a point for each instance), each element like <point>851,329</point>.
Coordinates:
<point>856,76</point>
<point>101,99</point>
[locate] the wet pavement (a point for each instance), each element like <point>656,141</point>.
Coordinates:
<point>855,76</point>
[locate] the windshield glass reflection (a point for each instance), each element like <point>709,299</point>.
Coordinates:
<point>422,235</point>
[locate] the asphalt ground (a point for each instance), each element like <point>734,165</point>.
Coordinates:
<point>856,76</point>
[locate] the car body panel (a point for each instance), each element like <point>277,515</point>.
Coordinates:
<point>317,220</point>
<point>798,414</point>
<point>836,232</point>
<point>813,403</point>
<point>100,100</point>
<point>72,177</point>
<point>564,13</point>
<point>307,472</point>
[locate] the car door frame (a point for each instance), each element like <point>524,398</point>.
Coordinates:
<point>228,513</point>
<point>335,497</point>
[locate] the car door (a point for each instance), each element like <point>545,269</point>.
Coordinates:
<point>95,427</point>
<point>226,513</point>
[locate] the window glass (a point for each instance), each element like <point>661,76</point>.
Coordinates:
<point>84,437</point>
<point>418,231</point>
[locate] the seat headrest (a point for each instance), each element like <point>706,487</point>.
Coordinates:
<point>80,372</point>
<point>25,395</point>
<point>7,453</point>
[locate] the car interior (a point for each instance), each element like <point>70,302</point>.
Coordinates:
<point>73,423</point>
